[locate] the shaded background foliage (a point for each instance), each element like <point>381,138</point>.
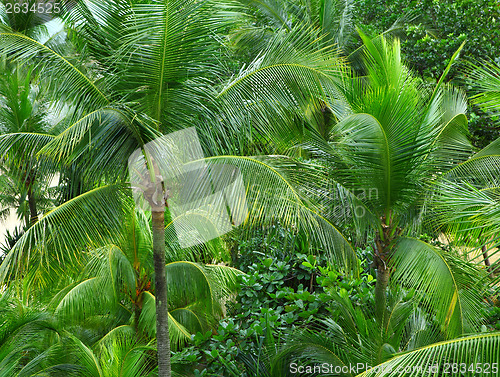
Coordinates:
<point>436,30</point>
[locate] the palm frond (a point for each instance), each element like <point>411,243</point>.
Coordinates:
<point>166,44</point>
<point>273,12</point>
<point>273,194</point>
<point>179,335</point>
<point>284,80</point>
<point>58,238</point>
<point>450,293</point>
<point>101,142</point>
<point>83,300</point>
<point>466,198</point>
<point>449,143</point>
<point>73,82</point>
<point>471,355</point>
<point>485,79</point>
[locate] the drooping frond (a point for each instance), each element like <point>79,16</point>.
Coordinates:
<point>466,197</point>
<point>83,300</point>
<point>65,78</point>
<point>179,335</point>
<point>92,219</point>
<point>101,142</point>
<point>272,193</point>
<point>443,288</point>
<point>468,356</point>
<point>187,283</point>
<point>485,79</point>
<point>23,146</point>
<point>466,200</point>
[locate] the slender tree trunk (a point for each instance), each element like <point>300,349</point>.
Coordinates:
<point>162,335</point>
<point>486,257</point>
<point>384,244</point>
<point>154,193</point>
<point>383,275</point>
<point>32,206</point>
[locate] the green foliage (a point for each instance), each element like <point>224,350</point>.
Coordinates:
<point>441,26</point>
<point>276,297</point>
<point>132,70</point>
<point>493,318</point>
<point>436,30</point>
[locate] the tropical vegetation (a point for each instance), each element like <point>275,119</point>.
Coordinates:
<point>359,191</point>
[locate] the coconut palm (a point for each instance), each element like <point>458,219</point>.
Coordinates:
<point>118,278</point>
<point>24,131</point>
<point>385,140</point>
<point>155,63</point>
<point>143,69</point>
<point>25,125</point>
<point>34,342</point>
<point>396,140</point>
<point>466,198</point>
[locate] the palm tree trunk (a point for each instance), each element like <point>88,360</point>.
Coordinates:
<point>32,206</point>
<point>162,335</point>
<point>383,275</point>
<point>486,257</point>
<point>383,251</point>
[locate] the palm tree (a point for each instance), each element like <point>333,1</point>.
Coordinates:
<point>384,141</point>
<point>396,140</point>
<point>24,131</point>
<point>25,125</point>
<point>352,342</point>
<point>466,198</point>
<point>119,276</point>
<point>156,57</point>
<point>34,342</point>
<point>143,69</point>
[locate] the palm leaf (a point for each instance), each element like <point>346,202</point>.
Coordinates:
<point>164,45</point>
<point>179,335</point>
<point>485,79</point>
<point>282,80</point>
<point>91,219</point>
<point>475,351</point>
<point>448,292</point>
<point>101,141</point>
<point>72,84</point>
<point>271,195</point>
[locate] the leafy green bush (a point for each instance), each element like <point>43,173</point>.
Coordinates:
<point>276,297</point>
